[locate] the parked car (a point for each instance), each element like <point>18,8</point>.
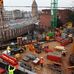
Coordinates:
<point>17,50</point>
<point>31,56</point>
<point>26,66</point>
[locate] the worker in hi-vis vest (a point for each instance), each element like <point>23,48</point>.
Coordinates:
<point>10,71</point>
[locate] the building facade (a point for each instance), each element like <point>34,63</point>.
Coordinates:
<point>17,14</point>
<point>8,15</point>
<point>11,33</point>
<point>45,17</point>
<point>27,15</point>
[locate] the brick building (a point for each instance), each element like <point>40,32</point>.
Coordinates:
<point>45,17</point>
<point>63,15</point>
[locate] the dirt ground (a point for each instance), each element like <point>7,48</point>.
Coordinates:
<point>45,69</point>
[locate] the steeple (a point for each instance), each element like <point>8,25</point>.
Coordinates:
<point>34,3</point>
<point>34,9</point>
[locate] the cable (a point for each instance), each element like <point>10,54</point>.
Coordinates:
<point>38,6</point>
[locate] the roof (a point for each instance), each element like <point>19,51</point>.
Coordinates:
<point>20,23</point>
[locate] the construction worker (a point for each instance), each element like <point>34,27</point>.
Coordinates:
<point>70,37</point>
<point>41,61</point>
<point>47,38</point>
<point>10,71</point>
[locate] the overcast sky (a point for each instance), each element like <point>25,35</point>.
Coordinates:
<point>61,3</point>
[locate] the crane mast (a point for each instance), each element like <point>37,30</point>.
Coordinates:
<point>54,8</point>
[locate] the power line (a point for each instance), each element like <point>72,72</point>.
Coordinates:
<point>38,6</point>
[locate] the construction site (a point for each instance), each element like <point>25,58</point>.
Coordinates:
<point>37,41</point>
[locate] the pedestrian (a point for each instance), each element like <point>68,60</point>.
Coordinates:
<point>42,62</point>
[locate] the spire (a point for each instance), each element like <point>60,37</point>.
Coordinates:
<point>34,3</point>
<point>34,9</point>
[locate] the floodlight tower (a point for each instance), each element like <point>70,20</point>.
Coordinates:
<point>54,8</point>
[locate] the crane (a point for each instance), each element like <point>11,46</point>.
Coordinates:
<point>54,8</point>
<point>1,14</point>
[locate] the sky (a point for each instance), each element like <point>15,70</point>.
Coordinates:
<point>61,3</point>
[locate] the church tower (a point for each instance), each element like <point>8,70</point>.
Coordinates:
<point>34,9</point>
